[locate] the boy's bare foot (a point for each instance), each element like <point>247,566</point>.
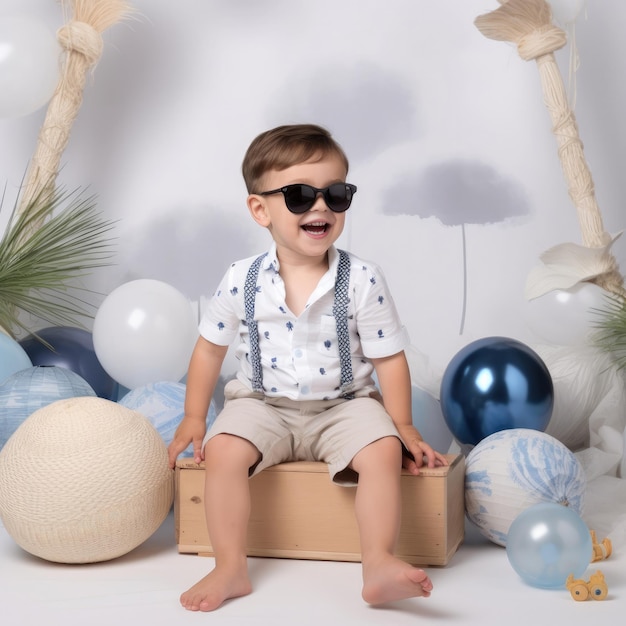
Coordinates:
<point>215,588</point>
<point>391,579</point>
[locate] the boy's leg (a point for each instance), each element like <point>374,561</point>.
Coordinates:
<point>378,509</point>
<point>227,507</point>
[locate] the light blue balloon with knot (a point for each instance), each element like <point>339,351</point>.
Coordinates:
<point>547,542</point>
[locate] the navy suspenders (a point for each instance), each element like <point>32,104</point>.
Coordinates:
<point>340,313</point>
<point>249,298</point>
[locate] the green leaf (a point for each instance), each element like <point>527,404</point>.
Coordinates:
<point>58,238</point>
<point>611,325</point>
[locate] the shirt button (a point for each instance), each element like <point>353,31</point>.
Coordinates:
<point>304,390</point>
<point>297,353</point>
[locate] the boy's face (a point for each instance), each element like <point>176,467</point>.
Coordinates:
<point>307,235</point>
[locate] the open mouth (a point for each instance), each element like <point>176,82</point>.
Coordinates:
<point>316,228</point>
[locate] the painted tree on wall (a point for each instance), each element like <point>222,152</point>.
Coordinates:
<point>458,193</point>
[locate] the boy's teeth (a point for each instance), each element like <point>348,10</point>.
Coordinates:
<point>315,226</point>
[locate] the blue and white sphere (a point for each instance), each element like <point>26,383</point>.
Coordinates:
<point>514,469</point>
<point>163,403</point>
<point>30,389</point>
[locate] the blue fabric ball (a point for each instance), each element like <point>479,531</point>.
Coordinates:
<point>28,390</point>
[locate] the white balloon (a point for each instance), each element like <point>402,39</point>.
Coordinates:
<point>144,332</point>
<point>29,65</point>
<point>566,11</point>
<point>566,317</point>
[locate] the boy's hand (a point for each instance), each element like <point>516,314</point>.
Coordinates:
<point>423,454</point>
<point>188,431</point>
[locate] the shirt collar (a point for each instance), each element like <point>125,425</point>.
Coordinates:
<point>271,260</point>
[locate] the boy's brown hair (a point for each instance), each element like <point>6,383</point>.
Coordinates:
<point>284,146</point>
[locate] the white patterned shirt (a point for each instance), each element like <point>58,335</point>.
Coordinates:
<point>299,354</point>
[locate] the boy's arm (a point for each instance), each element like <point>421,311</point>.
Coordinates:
<point>204,370</point>
<point>395,385</point>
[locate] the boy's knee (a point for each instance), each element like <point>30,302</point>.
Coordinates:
<point>229,450</point>
<point>384,451</point>
<point>387,446</point>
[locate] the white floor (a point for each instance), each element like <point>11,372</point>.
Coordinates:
<point>477,587</point>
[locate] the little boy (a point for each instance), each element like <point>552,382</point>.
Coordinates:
<point>313,324</point>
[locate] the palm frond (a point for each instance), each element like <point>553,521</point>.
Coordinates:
<point>611,329</point>
<point>58,238</point>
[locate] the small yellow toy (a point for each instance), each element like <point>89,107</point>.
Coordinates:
<point>595,588</point>
<point>601,550</point>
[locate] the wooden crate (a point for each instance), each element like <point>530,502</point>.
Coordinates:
<point>297,512</point>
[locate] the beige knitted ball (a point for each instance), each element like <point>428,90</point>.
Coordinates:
<point>84,480</point>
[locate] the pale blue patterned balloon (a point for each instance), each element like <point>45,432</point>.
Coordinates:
<point>163,404</point>
<point>30,389</point>
<point>513,469</point>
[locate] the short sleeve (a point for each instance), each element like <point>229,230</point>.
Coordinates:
<point>379,326</point>
<point>221,317</point>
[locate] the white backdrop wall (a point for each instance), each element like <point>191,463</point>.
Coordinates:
<point>447,133</point>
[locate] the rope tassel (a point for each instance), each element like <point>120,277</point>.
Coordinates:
<point>528,24</point>
<point>82,43</point>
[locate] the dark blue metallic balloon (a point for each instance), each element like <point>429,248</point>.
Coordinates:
<point>72,349</point>
<point>493,384</point>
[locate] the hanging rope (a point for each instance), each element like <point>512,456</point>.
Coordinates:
<point>82,44</point>
<point>528,24</point>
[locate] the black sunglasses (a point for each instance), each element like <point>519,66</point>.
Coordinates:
<point>299,197</point>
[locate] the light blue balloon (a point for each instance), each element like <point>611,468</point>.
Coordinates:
<point>429,420</point>
<point>13,357</point>
<point>547,542</point>
<point>163,404</point>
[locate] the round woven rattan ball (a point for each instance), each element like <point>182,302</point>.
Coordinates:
<point>84,480</point>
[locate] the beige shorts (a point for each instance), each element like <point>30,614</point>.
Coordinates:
<point>332,431</point>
